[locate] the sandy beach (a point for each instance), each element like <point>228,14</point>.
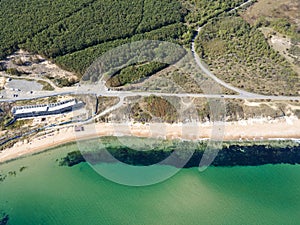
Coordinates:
<point>252,130</point>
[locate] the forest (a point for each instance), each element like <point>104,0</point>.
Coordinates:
<point>79,61</point>
<point>22,20</point>
<point>75,33</point>
<point>104,21</point>
<point>61,27</point>
<point>200,11</point>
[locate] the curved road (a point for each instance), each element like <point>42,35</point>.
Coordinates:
<point>216,79</point>
<point>101,90</point>
<point>208,72</point>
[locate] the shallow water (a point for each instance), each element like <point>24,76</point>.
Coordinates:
<point>45,193</point>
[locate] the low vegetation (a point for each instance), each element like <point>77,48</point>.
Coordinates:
<point>281,15</point>
<point>46,85</point>
<point>147,109</point>
<point>18,125</point>
<point>175,110</point>
<point>106,102</point>
<point>294,51</point>
<point>153,108</point>
<point>239,54</point>
<point>5,114</point>
<point>161,108</point>
<point>14,72</point>
<point>283,26</point>
<point>175,80</point>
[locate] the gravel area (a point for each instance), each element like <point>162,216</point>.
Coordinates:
<point>24,85</point>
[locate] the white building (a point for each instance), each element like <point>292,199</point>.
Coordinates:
<point>46,109</point>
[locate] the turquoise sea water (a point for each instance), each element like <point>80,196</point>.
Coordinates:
<point>45,193</point>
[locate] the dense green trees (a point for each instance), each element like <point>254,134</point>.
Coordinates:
<point>200,11</point>
<point>99,22</point>
<point>132,74</point>
<point>79,61</point>
<point>104,21</point>
<point>75,33</point>
<point>61,27</point>
<point>21,20</point>
<point>160,13</point>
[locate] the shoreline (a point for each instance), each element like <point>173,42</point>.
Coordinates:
<point>250,130</point>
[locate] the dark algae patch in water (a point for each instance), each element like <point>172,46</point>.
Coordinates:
<point>232,154</point>
<point>12,173</point>
<point>72,159</point>
<point>48,194</point>
<point>2,177</point>
<point>4,219</point>
<point>22,168</point>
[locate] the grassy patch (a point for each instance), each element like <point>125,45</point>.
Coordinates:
<point>106,102</point>
<point>19,124</point>
<point>46,86</point>
<point>281,15</point>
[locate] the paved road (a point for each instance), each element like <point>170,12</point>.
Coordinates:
<point>32,78</point>
<point>101,90</point>
<point>208,72</point>
<point>216,79</point>
<point>242,5</point>
<point>124,94</point>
